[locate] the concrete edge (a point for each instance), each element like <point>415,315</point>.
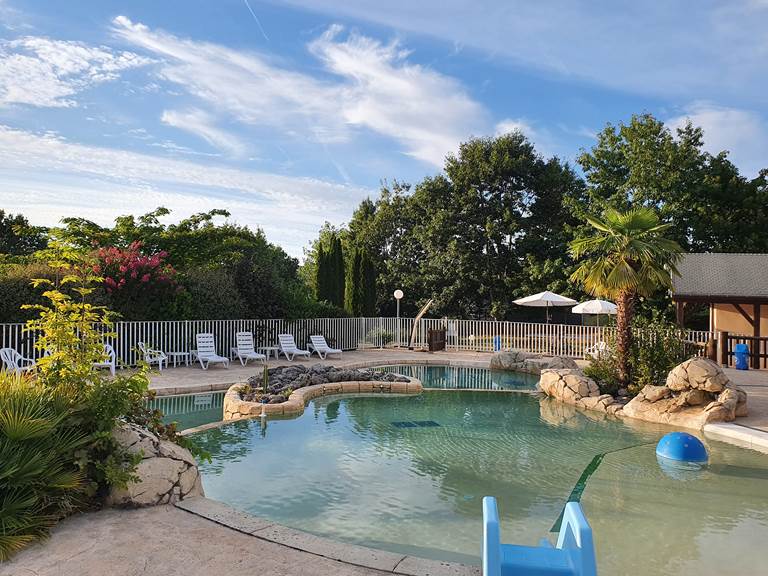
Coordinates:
<point>738,435</point>
<point>309,543</point>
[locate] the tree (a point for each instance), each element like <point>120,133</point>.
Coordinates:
<point>627,255</point>
<point>368,285</point>
<point>353,300</point>
<point>17,237</point>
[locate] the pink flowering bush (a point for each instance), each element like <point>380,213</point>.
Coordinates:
<point>140,286</point>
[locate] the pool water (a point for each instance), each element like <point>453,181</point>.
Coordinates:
<point>407,474</point>
<point>190,410</point>
<point>465,378</point>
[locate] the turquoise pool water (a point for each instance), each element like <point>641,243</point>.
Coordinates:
<point>350,469</point>
<point>190,410</point>
<point>463,378</point>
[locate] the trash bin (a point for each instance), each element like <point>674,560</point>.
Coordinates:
<point>741,352</point>
<point>497,343</point>
<point>436,340</point>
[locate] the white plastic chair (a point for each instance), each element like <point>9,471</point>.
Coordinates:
<point>318,344</point>
<point>246,349</point>
<point>109,361</point>
<point>596,351</point>
<point>206,351</point>
<point>289,348</point>
<point>15,362</point>
<point>152,356</point>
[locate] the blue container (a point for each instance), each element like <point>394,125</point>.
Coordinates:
<point>741,353</point>
<point>496,343</point>
<point>682,447</point>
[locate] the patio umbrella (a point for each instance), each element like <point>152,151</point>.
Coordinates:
<point>595,307</point>
<point>545,300</point>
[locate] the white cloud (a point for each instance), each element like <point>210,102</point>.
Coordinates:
<point>200,123</point>
<point>743,133</point>
<point>428,112</point>
<point>373,86</point>
<point>44,72</point>
<point>668,48</point>
<point>46,177</point>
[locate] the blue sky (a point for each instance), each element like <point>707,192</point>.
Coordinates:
<point>288,114</point>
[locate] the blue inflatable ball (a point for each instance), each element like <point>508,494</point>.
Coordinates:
<point>682,447</point>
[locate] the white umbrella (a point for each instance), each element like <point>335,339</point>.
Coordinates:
<point>545,300</point>
<point>595,307</point>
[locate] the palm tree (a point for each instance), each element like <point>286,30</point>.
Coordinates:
<point>628,255</point>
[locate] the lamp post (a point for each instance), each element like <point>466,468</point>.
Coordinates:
<point>398,294</point>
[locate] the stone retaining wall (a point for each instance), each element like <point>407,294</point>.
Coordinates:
<point>235,408</point>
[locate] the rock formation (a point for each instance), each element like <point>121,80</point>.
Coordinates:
<point>519,361</point>
<point>167,472</point>
<point>697,392</point>
<point>572,387</point>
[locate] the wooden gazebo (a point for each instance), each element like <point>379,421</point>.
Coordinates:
<point>735,286</point>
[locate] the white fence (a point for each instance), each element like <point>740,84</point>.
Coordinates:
<point>346,333</point>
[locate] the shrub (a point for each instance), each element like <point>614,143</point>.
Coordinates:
<point>140,286</point>
<point>213,295</point>
<point>16,290</point>
<point>658,347</point>
<point>379,336</point>
<point>40,480</point>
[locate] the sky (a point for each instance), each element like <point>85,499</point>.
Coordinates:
<point>287,114</point>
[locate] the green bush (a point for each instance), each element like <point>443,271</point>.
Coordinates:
<point>40,480</point>
<point>658,347</point>
<point>213,295</point>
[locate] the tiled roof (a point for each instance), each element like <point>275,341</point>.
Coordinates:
<point>715,274</point>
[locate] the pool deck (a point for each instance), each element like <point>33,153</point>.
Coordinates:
<point>201,537</point>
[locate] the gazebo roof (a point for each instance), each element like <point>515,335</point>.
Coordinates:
<point>718,277</point>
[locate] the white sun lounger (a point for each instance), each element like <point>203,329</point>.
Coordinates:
<point>246,349</point>
<point>206,351</point>
<point>288,347</point>
<point>318,344</point>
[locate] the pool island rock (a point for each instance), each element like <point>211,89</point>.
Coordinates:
<point>530,363</point>
<point>290,388</point>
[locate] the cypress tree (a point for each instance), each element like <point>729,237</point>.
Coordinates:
<point>353,280</point>
<point>321,275</point>
<point>336,273</point>
<point>368,285</point>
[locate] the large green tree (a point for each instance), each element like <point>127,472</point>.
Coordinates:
<point>18,237</point>
<point>627,255</point>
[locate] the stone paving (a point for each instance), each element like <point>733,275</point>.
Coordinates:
<point>755,384</point>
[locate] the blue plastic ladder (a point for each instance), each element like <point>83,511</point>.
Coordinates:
<point>574,554</point>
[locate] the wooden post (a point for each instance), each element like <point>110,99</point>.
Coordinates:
<point>756,334</point>
<point>723,339</point>
<point>680,313</point>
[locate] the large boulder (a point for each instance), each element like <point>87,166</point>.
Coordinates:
<point>572,387</point>
<point>166,473</point>
<point>697,393</point>
<point>697,373</point>
<point>520,361</point>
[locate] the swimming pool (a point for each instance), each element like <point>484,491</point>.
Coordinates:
<point>407,474</point>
